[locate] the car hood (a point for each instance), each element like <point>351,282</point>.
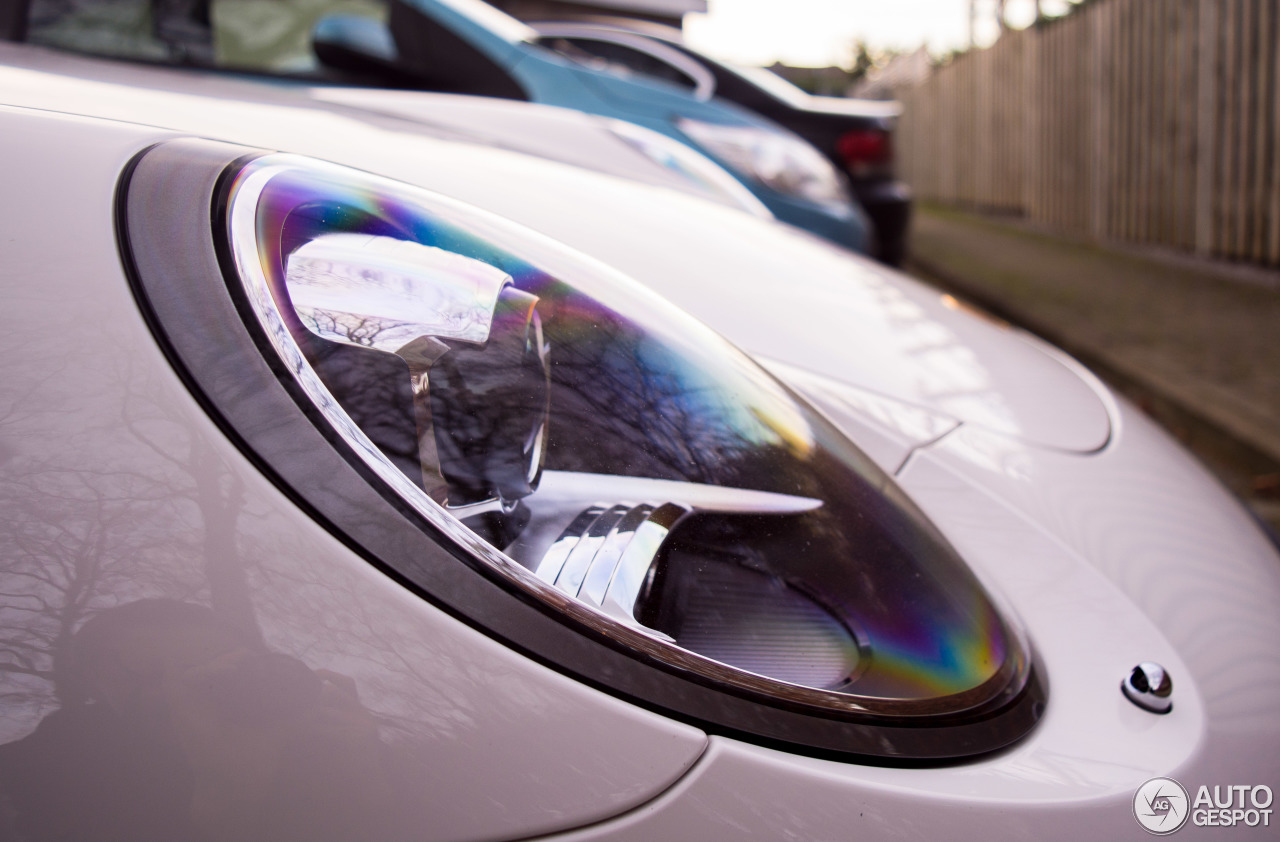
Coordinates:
<point>558,134</point>
<point>815,310</point>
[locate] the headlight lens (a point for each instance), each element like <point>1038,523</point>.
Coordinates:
<point>691,164</point>
<point>601,451</point>
<point>780,160</point>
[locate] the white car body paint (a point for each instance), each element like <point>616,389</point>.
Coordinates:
<point>1108,543</point>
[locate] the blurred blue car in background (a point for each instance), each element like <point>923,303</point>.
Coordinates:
<point>856,135</point>
<point>467,46</point>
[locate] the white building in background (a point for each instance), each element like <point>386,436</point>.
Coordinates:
<point>670,12</point>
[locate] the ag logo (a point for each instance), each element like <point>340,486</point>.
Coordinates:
<point>1161,806</point>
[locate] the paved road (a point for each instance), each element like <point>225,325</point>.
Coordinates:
<point>1195,343</point>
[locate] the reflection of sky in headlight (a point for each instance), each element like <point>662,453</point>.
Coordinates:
<point>406,289</point>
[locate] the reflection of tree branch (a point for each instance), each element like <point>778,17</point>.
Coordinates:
<point>358,330</point>
<point>85,537</point>
<point>133,425</point>
<point>19,669</point>
<point>399,683</point>
<point>220,505</point>
<point>642,412</point>
<point>24,402</point>
<point>219,497</point>
<point>20,658</point>
<point>41,603</point>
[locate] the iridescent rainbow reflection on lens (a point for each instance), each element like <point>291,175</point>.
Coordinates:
<point>846,589</point>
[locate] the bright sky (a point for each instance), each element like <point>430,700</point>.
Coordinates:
<point>817,33</point>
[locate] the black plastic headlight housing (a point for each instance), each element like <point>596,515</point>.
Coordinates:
<point>549,451</point>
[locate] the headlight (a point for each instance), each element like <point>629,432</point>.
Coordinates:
<point>598,453</point>
<point>780,160</point>
<point>691,164</point>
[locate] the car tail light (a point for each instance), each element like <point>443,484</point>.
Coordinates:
<point>866,152</point>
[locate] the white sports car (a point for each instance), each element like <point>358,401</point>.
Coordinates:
<point>362,484</point>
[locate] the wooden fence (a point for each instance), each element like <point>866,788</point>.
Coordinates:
<point>1146,121</point>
